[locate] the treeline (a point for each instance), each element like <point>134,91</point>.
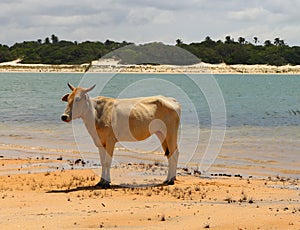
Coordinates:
<point>54,51</point>
<point>243,52</point>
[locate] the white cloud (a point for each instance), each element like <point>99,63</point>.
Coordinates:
<point>148,20</point>
<point>248,14</point>
<point>137,16</point>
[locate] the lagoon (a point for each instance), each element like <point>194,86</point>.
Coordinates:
<point>262,118</point>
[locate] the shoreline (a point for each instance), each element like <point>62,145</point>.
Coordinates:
<point>31,68</point>
<point>69,199</point>
<point>111,66</point>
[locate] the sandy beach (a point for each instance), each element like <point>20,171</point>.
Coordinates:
<point>16,67</point>
<point>68,199</point>
<point>202,68</point>
<point>112,66</point>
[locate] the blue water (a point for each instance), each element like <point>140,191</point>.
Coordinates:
<point>262,118</point>
<point>261,100</point>
<point>32,98</point>
<point>254,100</point>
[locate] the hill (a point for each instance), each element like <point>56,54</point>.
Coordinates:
<point>155,53</point>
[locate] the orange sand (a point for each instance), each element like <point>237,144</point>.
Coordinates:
<point>67,199</point>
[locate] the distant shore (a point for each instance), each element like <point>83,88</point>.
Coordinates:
<point>111,66</point>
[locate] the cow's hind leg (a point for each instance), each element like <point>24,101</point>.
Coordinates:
<point>172,155</point>
<point>172,158</point>
<point>172,162</point>
<point>169,145</point>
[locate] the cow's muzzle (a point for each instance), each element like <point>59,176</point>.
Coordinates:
<point>65,118</point>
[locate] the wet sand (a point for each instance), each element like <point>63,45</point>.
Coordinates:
<point>68,199</point>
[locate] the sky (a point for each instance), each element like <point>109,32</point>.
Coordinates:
<point>142,21</point>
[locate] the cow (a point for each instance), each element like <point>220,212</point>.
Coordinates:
<point>110,120</point>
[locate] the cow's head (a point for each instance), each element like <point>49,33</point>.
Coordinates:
<point>77,102</point>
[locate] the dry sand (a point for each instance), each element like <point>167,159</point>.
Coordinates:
<point>112,66</point>
<point>67,199</point>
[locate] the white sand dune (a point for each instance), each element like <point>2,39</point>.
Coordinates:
<point>113,66</point>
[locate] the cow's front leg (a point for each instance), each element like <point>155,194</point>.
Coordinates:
<point>105,159</point>
<point>172,161</point>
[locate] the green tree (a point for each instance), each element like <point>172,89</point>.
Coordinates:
<point>5,54</point>
<point>228,40</point>
<point>241,40</point>
<point>255,39</point>
<point>268,43</point>
<point>278,42</point>
<point>47,40</point>
<point>54,39</point>
<point>179,42</point>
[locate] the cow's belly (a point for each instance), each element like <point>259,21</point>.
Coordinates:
<point>131,130</point>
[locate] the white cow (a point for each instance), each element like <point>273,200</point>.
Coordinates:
<point>109,120</point>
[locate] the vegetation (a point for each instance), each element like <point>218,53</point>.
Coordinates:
<point>243,52</point>
<point>153,53</point>
<point>55,51</point>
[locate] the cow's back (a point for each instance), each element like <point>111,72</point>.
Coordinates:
<point>147,108</point>
<point>139,118</point>
<point>170,103</point>
<point>131,119</point>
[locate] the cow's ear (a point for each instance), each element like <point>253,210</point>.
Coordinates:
<point>65,98</point>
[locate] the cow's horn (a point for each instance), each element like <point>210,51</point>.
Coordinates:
<point>71,86</point>
<point>90,89</point>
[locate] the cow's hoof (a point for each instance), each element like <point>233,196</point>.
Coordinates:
<point>170,181</point>
<point>103,184</point>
